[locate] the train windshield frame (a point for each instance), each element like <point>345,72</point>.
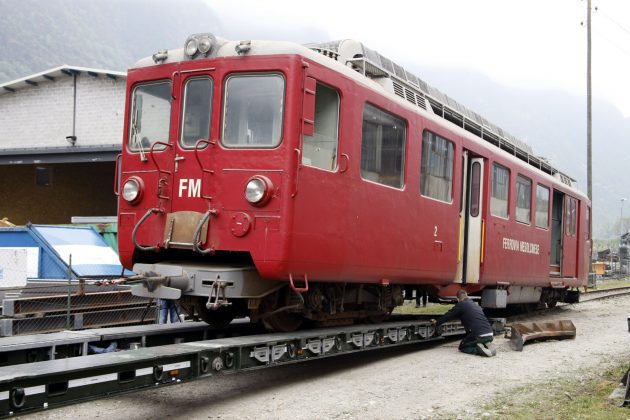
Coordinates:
<point>253,111</point>
<point>150,116</point>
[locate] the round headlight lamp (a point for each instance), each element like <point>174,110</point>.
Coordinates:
<point>205,44</point>
<point>192,46</point>
<point>258,190</point>
<point>132,190</point>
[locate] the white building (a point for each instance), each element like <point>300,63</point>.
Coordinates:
<point>60,133</point>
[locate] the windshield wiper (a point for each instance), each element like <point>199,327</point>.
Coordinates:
<point>134,134</point>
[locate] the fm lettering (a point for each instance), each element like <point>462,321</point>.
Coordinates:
<point>191,186</point>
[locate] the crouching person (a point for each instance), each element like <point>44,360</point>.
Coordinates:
<point>479,333</point>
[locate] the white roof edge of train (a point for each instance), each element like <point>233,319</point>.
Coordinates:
<point>262,47</point>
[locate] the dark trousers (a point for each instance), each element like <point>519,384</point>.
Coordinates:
<point>469,343</point>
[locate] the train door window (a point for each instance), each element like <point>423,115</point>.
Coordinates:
<point>253,111</point>
<point>523,199</point>
<point>542,206</point>
<point>197,111</point>
<point>475,188</point>
<point>571,223</point>
<point>436,167</point>
<point>320,149</point>
<point>500,191</point>
<point>150,115</point>
<point>383,147</point>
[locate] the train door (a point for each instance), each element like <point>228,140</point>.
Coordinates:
<point>569,246</point>
<point>555,256</point>
<point>463,211</point>
<point>194,140</point>
<point>192,167</point>
<point>471,220</point>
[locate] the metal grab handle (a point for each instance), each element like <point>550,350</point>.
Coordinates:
<point>153,158</point>
<point>297,171</point>
<point>299,289</point>
<point>346,158</point>
<point>203,170</point>
<point>199,142</point>
<point>196,237</point>
<point>135,230</point>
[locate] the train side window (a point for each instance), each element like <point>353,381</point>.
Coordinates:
<point>523,199</point>
<point>320,149</point>
<point>542,206</point>
<point>197,111</point>
<point>253,111</point>
<point>500,190</point>
<point>436,167</point>
<point>383,147</point>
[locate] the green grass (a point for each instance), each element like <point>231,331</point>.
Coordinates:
<point>583,397</point>
<point>603,284</point>
<point>409,308</point>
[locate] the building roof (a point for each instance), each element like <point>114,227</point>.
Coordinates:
<point>64,154</point>
<point>54,74</point>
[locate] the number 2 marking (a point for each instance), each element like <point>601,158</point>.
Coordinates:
<point>435,231</point>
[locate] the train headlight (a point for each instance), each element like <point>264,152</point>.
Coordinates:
<point>258,190</point>
<point>199,45</point>
<point>205,43</point>
<point>192,46</point>
<point>132,190</point>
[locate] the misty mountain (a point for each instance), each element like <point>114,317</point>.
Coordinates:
<point>114,34</point>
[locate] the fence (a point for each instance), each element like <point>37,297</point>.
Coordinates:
<point>32,306</point>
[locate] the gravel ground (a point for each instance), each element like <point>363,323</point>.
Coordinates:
<point>417,381</point>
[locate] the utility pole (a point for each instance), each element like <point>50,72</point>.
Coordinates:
<point>589,132</point>
<point>589,109</point>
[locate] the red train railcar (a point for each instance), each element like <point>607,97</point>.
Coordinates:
<point>324,182</point>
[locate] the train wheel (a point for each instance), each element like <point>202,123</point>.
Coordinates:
<point>283,322</point>
<point>218,318</point>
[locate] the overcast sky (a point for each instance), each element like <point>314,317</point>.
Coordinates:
<point>521,43</point>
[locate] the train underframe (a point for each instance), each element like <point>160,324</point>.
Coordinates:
<point>221,292</point>
<point>324,304</point>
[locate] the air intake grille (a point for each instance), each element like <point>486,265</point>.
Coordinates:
<point>413,89</point>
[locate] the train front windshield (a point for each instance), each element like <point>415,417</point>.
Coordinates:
<point>150,115</point>
<point>253,111</point>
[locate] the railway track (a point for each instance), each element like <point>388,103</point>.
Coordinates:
<point>604,293</point>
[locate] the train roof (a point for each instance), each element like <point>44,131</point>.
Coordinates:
<point>365,65</point>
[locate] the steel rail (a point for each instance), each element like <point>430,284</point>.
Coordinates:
<point>605,293</point>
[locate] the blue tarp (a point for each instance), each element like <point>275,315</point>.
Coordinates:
<point>52,249</point>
